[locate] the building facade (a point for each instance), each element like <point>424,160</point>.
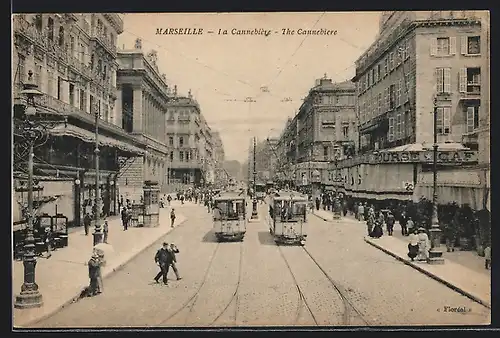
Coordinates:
<point>190,160</point>
<point>319,135</point>
<point>72,58</point>
<point>143,99</point>
<point>221,177</point>
<point>421,62</point>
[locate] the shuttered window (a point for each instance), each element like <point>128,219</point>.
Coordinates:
<point>443,80</point>
<point>390,133</point>
<point>462,80</point>
<point>443,120</point>
<point>472,118</point>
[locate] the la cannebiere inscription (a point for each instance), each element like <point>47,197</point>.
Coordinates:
<point>255,31</point>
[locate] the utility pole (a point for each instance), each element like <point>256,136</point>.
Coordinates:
<point>254,199</point>
<point>97,235</point>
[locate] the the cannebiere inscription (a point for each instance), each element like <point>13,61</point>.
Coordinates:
<point>312,169</point>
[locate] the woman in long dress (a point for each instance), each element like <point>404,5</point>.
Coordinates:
<point>424,245</point>
<point>413,245</point>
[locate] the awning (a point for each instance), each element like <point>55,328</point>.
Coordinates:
<point>474,197</point>
<point>88,136</point>
<point>423,147</point>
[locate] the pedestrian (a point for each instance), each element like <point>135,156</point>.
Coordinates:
<point>403,221</point>
<point>169,199</point>
<point>409,226</point>
<point>361,212</point>
<point>172,217</point>
<point>172,260</point>
<point>377,230</point>
<point>487,257</point>
<point>105,230</point>
<point>390,223</point>
<point>162,260</point>
<point>86,223</point>
<point>48,242</point>
<point>94,264</point>
<point>370,222</point>
<point>424,245</point>
<point>125,218</point>
<point>413,245</point>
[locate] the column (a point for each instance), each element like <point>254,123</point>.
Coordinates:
<point>118,108</point>
<point>137,108</point>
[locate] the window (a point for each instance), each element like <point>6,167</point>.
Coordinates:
<point>72,45</point>
<point>50,82</point>
<point>50,29</point>
<point>392,97</point>
<point>398,93</point>
<point>443,80</point>
<point>373,77</point>
<point>325,151</point>
<point>390,133</point>
<point>402,130</point>
<point>181,156</point>
<point>398,126</point>
<point>71,94</point>
<point>37,74</point>
<point>181,141</point>
<point>83,100</point>
<point>391,61</point>
<point>345,131</point>
<point>470,80</point>
<point>22,68</point>
<point>470,45</point>
<point>38,22</point>
<point>443,46</point>
<point>171,156</point>
<point>472,118</point>
<point>61,36</point>
<point>443,120</point>
<point>367,80</point>
<point>171,141</point>
<point>380,103</point>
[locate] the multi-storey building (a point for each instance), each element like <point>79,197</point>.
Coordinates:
<point>221,177</point>
<point>322,132</point>
<point>190,161</point>
<point>72,58</point>
<point>419,62</point>
<point>143,99</point>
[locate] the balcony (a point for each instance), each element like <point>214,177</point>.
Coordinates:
<point>471,140</point>
<point>104,41</point>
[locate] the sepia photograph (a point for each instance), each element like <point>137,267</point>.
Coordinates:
<point>251,169</point>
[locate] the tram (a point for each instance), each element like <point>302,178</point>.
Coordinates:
<point>229,216</point>
<point>288,217</point>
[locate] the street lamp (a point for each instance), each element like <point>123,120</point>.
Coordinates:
<point>33,128</point>
<point>254,199</point>
<point>435,254</point>
<point>97,235</point>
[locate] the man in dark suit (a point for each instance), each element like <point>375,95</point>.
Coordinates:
<point>162,259</point>
<point>172,250</point>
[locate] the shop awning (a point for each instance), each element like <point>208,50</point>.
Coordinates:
<point>474,197</point>
<point>88,136</point>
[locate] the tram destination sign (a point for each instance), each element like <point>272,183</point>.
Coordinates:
<point>444,157</point>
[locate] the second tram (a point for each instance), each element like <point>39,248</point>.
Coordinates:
<point>288,217</point>
<point>229,216</point>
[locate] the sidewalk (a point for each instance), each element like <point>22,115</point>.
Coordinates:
<point>473,284</point>
<point>327,216</point>
<point>62,277</point>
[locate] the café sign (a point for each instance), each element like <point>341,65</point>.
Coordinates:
<point>450,157</point>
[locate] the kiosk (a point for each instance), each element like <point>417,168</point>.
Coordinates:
<point>151,204</point>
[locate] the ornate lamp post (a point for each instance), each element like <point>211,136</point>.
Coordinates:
<point>33,128</point>
<point>254,197</point>
<point>97,235</point>
<point>435,254</point>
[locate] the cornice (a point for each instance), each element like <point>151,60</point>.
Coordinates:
<point>115,20</point>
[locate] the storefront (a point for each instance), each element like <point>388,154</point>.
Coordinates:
<point>393,174</point>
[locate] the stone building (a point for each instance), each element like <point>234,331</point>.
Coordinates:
<point>72,58</point>
<point>419,60</point>
<point>221,177</point>
<point>191,156</point>
<point>143,98</point>
<point>322,132</point>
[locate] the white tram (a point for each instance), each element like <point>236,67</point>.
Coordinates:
<point>229,216</point>
<point>288,217</point>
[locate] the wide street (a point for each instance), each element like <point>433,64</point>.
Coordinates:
<point>256,282</point>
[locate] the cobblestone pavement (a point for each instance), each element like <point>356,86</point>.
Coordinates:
<point>383,290</point>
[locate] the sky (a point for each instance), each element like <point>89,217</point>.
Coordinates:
<point>223,70</point>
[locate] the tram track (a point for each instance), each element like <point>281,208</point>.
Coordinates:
<point>349,311</point>
<point>191,303</point>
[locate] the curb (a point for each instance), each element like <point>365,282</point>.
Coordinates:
<point>76,298</point>
<point>323,218</point>
<point>431,275</point>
